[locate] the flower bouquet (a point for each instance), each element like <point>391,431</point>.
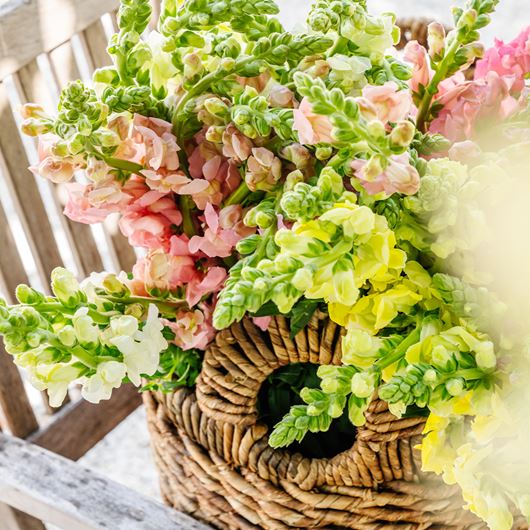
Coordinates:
<point>280,179</point>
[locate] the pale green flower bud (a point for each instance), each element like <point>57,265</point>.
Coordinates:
<point>114,286</point>
<point>214,134</point>
<point>335,410</point>
<point>485,355</point>
<point>455,386</point>
<point>293,178</point>
<point>324,152</point>
<point>436,40</point>
<point>28,295</point>
<point>376,129</point>
<point>363,384</point>
<point>67,336</point>
<point>303,279</point>
<point>66,287</point>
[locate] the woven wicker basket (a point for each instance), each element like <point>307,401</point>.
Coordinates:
<point>216,465</point>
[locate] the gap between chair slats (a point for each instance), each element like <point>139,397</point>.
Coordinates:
<point>93,43</point>
<point>25,193</point>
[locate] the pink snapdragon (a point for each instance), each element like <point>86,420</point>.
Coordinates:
<point>416,54</point>
<point>79,208</point>
<point>398,177</point>
<point>311,128</point>
<point>162,271</point>
<point>390,103</point>
<point>222,175</point>
<point>52,167</point>
<point>467,102</point>
<point>148,221</point>
<point>222,233</point>
<point>209,283</point>
<point>159,143</point>
<point>512,59</point>
<point>192,328</point>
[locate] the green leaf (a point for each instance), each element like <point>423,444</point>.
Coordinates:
<point>301,315</point>
<point>267,310</point>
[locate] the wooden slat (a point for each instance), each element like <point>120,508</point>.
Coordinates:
<point>25,192</point>
<point>17,414</point>
<point>31,27</point>
<point>74,498</point>
<point>13,519</point>
<point>79,426</point>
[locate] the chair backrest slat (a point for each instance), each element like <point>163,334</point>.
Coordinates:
<point>32,27</point>
<point>17,414</point>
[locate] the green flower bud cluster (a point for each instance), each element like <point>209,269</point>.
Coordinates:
<point>134,99</point>
<point>413,385</point>
<point>445,215</point>
<point>476,305</point>
<point>134,15</point>
<point>263,215</point>
<point>204,14</point>
<point>327,15</point>
<point>305,202</point>
<point>352,133</point>
<point>80,112</point>
<point>252,115</point>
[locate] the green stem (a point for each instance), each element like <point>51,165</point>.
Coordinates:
<point>338,43</point>
<point>186,207</point>
<point>82,355</point>
<point>432,87</point>
<point>400,351</point>
<point>238,195</point>
<point>200,87</point>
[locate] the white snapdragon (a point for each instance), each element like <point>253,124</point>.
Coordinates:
<point>55,378</point>
<point>140,349</point>
<point>86,331</point>
<point>109,375</point>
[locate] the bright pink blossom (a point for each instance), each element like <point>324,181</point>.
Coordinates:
<point>391,104</point>
<point>222,233</point>
<point>416,54</point>
<point>512,59</point>
<point>399,177</point>
<point>311,128</point>
<point>148,221</point>
<point>192,328</point>
<point>211,282</point>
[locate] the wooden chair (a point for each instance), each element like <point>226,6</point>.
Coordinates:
<point>43,45</point>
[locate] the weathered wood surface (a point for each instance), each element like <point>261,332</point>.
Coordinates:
<point>31,27</point>
<point>72,497</point>
<point>79,426</point>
